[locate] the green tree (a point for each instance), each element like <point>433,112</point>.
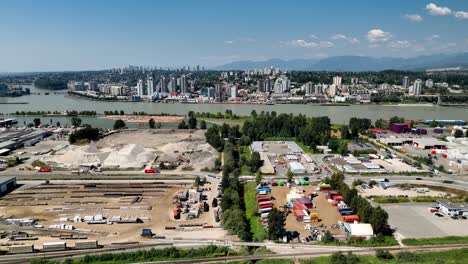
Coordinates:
<point>119,124</point>
<point>396,119</point>
<point>458,133</point>
<point>290,176</point>
<point>182,125</point>
<point>258,177</point>
<point>255,161</point>
<point>197,181</point>
<point>328,237</point>
<point>152,123</point>
<point>276,220</point>
<point>75,121</point>
<point>37,122</point>
<point>380,123</point>
<point>192,122</point>
<point>244,140</point>
<point>203,124</point>
<point>344,131</point>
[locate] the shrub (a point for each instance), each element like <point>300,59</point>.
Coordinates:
<point>383,254</point>
<point>406,256</point>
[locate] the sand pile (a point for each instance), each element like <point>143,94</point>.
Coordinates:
<point>130,156</point>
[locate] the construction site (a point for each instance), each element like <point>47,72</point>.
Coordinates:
<point>50,213</point>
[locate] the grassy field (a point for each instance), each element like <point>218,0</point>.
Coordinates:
<point>385,199</point>
<point>457,256</point>
<point>305,148</point>
<point>246,154</point>
<point>250,199</point>
<point>436,241</point>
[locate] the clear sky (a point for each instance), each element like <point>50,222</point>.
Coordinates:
<point>76,35</point>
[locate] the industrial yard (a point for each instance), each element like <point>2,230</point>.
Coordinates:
<point>107,212</point>
<point>279,157</point>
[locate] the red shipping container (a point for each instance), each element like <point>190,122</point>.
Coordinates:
<point>176,214</point>
<point>338,198</point>
<point>45,170</point>
<point>350,218</point>
<point>261,206</point>
<point>263,199</point>
<point>444,156</point>
<point>150,171</point>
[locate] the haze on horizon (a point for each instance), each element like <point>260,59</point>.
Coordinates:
<point>53,35</point>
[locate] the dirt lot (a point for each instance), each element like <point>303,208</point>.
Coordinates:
<point>49,203</point>
<point>328,215</point>
<point>145,119</point>
<point>396,191</point>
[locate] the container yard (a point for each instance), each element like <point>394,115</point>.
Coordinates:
<point>47,213</point>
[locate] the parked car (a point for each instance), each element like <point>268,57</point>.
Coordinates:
<point>439,214</point>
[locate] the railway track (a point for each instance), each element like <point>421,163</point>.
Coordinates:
<point>327,250</point>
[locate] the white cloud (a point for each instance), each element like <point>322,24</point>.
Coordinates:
<point>378,35</point>
<point>228,41</point>
<point>413,17</point>
<point>399,44</point>
<point>433,37</point>
<point>349,39</point>
<point>461,15</point>
<point>438,10</point>
<point>326,44</point>
<point>312,36</point>
<point>310,44</point>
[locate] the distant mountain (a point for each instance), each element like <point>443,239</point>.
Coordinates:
<point>275,63</point>
<point>356,63</point>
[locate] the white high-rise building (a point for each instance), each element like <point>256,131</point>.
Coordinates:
<point>150,87</point>
<point>233,91</point>
<point>429,83</point>
<point>282,84</point>
<point>163,85</point>
<point>417,87</point>
<point>183,84</point>
<point>337,80</point>
<point>405,83</point>
<point>172,85</point>
<point>332,90</point>
<point>140,88</point>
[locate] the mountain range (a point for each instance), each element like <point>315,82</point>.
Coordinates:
<point>356,63</point>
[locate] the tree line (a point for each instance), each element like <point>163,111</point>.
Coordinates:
<point>50,84</point>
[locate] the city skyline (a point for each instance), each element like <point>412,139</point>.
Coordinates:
<point>62,36</point>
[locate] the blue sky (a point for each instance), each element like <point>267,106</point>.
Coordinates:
<point>76,35</point>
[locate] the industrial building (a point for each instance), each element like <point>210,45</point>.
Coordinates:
<point>452,209</point>
<point>7,184</point>
<point>421,143</point>
<point>296,167</point>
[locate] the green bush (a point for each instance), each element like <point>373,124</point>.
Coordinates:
<point>406,256</point>
<point>383,254</point>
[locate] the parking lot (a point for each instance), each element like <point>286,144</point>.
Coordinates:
<point>413,220</point>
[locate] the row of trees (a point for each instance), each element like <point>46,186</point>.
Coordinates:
<point>310,131</point>
<point>50,83</point>
<point>87,133</point>
<point>376,216</point>
<point>233,206</point>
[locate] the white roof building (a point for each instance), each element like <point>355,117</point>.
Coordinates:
<point>363,231</point>
<point>296,167</point>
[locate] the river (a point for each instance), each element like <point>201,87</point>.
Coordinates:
<point>338,114</point>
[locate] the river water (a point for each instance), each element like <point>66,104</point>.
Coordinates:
<point>338,114</point>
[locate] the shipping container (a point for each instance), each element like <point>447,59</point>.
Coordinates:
<point>86,244</point>
<point>150,171</point>
<point>54,246</point>
<point>261,206</point>
<point>44,169</point>
<point>264,210</point>
<point>350,218</point>
<point>176,214</point>
<point>344,209</point>
<point>20,249</point>
<point>263,199</point>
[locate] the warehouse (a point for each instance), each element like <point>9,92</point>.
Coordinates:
<point>296,167</point>
<point>363,231</point>
<point>428,143</point>
<point>7,184</point>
